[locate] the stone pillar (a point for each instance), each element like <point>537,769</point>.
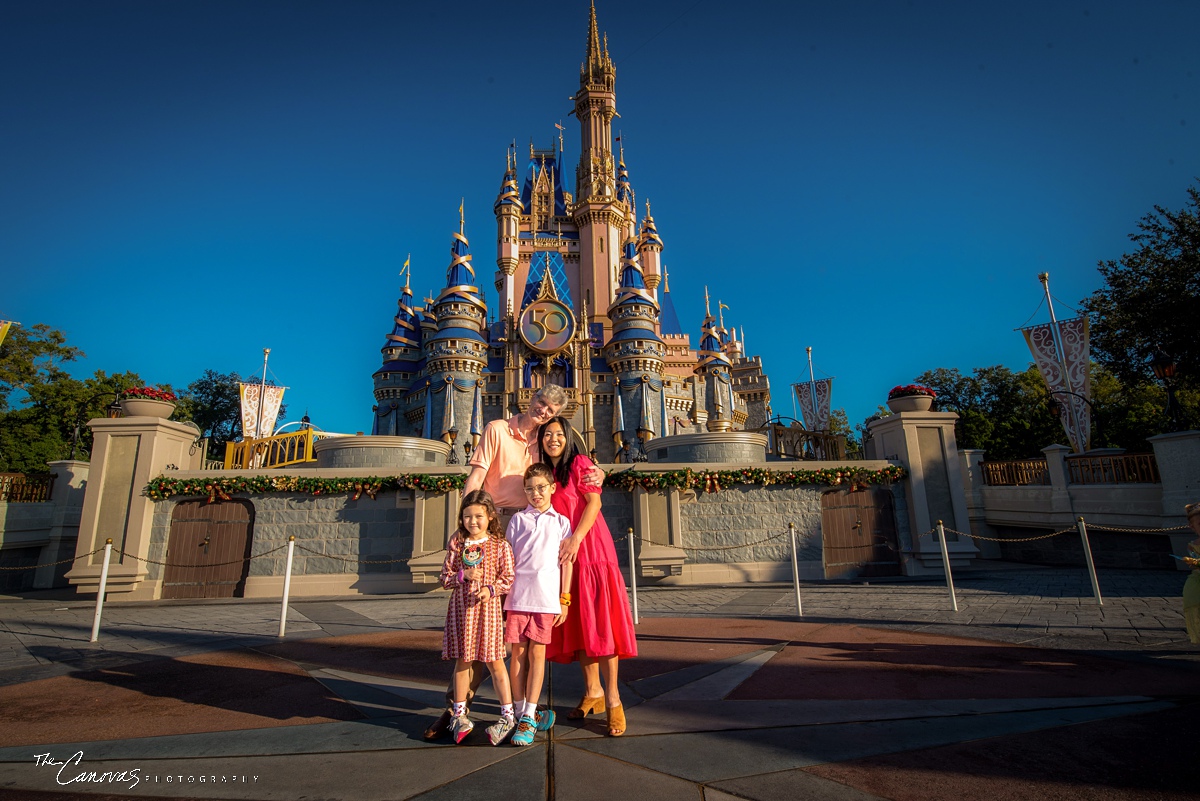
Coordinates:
<point>126,454</point>
<point>924,443</point>
<point>657,525</point>
<point>70,482</point>
<point>1178,458</point>
<point>971,460</point>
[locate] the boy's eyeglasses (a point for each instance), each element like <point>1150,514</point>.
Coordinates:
<point>536,489</point>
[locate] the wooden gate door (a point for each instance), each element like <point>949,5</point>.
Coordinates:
<point>858,534</point>
<point>208,534</point>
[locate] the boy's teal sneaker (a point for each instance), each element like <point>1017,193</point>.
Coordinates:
<point>545,719</point>
<point>526,728</point>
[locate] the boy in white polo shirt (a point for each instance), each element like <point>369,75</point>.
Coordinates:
<point>536,602</point>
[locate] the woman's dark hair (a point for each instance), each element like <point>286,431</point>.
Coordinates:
<point>562,472</point>
<point>484,499</point>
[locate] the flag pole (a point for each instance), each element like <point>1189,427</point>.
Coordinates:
<point>262,391</point>
<point>1062,359</point>
<point>812,384</point>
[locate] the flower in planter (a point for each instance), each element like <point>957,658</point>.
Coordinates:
<point>908,390</point>
<point>149,393</point>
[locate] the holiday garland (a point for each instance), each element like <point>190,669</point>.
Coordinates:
<point>716,480</point>
<point>224,487</point>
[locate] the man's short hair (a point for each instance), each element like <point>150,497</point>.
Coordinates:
<point>552,394</point>
<point>539,469</point>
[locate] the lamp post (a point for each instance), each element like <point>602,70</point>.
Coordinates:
<point>1092,406</point>
<point>1164,370</point>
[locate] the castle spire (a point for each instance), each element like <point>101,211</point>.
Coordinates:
<point>594,53</point>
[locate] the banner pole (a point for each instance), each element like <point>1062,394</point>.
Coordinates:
<point>633,576</point>
<point>941,532</point>
<point>796,571</point>
<point>1091,565</point>
<point>287,585</point>
<point>102,590</point>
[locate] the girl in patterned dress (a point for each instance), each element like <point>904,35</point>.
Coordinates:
<point>479,570</point>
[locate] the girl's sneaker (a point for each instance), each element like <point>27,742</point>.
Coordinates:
<point>545,719</point>
<point>460,727</point>
<point>500,729</point>
<point>526,728</point>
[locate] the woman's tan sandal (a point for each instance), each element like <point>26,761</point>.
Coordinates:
<point>616,720</point>
<point>586,707</point>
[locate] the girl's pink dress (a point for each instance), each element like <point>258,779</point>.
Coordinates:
<point>599,622</point>
<point>475,629</point>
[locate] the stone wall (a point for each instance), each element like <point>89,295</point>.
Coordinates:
<point>751,514</point>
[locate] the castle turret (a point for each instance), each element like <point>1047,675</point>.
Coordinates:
<point>456,354</point>
<point>635,354</point>
<point>402,361</point>
<point>713,377</point>
<point>509,209</point>
<point>650,247</point>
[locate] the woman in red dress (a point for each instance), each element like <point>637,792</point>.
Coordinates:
<point>599,630</point>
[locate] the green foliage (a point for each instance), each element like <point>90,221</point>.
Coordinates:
<point>1151,299</point>
<point>839,424</point>
<point>1009,415</point>
<point>32,356</point>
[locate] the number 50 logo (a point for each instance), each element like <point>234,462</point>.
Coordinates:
<point>546,325</point>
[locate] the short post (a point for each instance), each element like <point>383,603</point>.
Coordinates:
<point>102,590</point>
<point>941,532</point>
<point>1091,565</point>
<point>796,570</point>
<point>633,576</point>
<point>287,586</point>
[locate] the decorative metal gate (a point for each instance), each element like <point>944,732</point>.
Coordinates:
<point>858,534</point>
<point>208,534</point>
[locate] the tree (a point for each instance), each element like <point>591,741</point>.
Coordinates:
<point>839,423</point>
<point>32,356</point>
<point>1151,299</point>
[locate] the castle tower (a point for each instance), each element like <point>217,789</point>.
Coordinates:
<point>401,364</point>
<point>650,247</point>
<point>600,217</point>
<point>456,354</point>
<point>508,209</point>
<point>635,355</point>
<point>715,399</point>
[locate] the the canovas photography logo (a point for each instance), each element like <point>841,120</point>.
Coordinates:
<point>71,771</point>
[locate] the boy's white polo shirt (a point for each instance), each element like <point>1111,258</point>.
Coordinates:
<point>535,537</point>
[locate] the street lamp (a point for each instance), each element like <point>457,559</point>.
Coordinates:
<point>1164,370</point>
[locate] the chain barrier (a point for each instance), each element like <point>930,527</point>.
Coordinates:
<point>1098,527</point>
<point>707,548</point>
<point>366,561</point>
<point>1071,530</point>
<point>54,564</point>
<point>206,564</point>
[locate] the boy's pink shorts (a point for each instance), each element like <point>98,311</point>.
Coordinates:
<point>535,626</point>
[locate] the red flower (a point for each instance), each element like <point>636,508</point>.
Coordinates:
<point>907,390</point>
<point>149,393</point>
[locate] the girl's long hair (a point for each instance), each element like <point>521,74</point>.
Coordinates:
<point>562,472</point>
<point>484,499</point>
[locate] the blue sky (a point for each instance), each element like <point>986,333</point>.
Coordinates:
<point>186,183</point>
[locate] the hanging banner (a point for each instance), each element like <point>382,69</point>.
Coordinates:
<point>253,411</point>
<point>816,418</point>
<point>4,326</point>
<point>1070,389</point>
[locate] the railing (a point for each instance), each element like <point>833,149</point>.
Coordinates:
<point>281,450</point>
<point>1125,468</point>
<point>1015,473</point>
<point>790,442</point>
<point>20,488</point>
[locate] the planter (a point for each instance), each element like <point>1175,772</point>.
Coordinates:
<point>911,403</point>
<point>146,407</point>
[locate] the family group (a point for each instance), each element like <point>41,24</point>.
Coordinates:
<point>532,566</point>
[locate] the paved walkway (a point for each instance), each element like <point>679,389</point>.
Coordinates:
<point>878,691</point>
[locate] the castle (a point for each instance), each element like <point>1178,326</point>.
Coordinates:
<point>584,303</point>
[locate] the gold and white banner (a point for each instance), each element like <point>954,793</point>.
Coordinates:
<point>4,326</point>
<point>816,417</point>
<point>1066,389</point>
<point>253,411</point>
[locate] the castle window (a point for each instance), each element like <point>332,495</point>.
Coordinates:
<point>601,244</point>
